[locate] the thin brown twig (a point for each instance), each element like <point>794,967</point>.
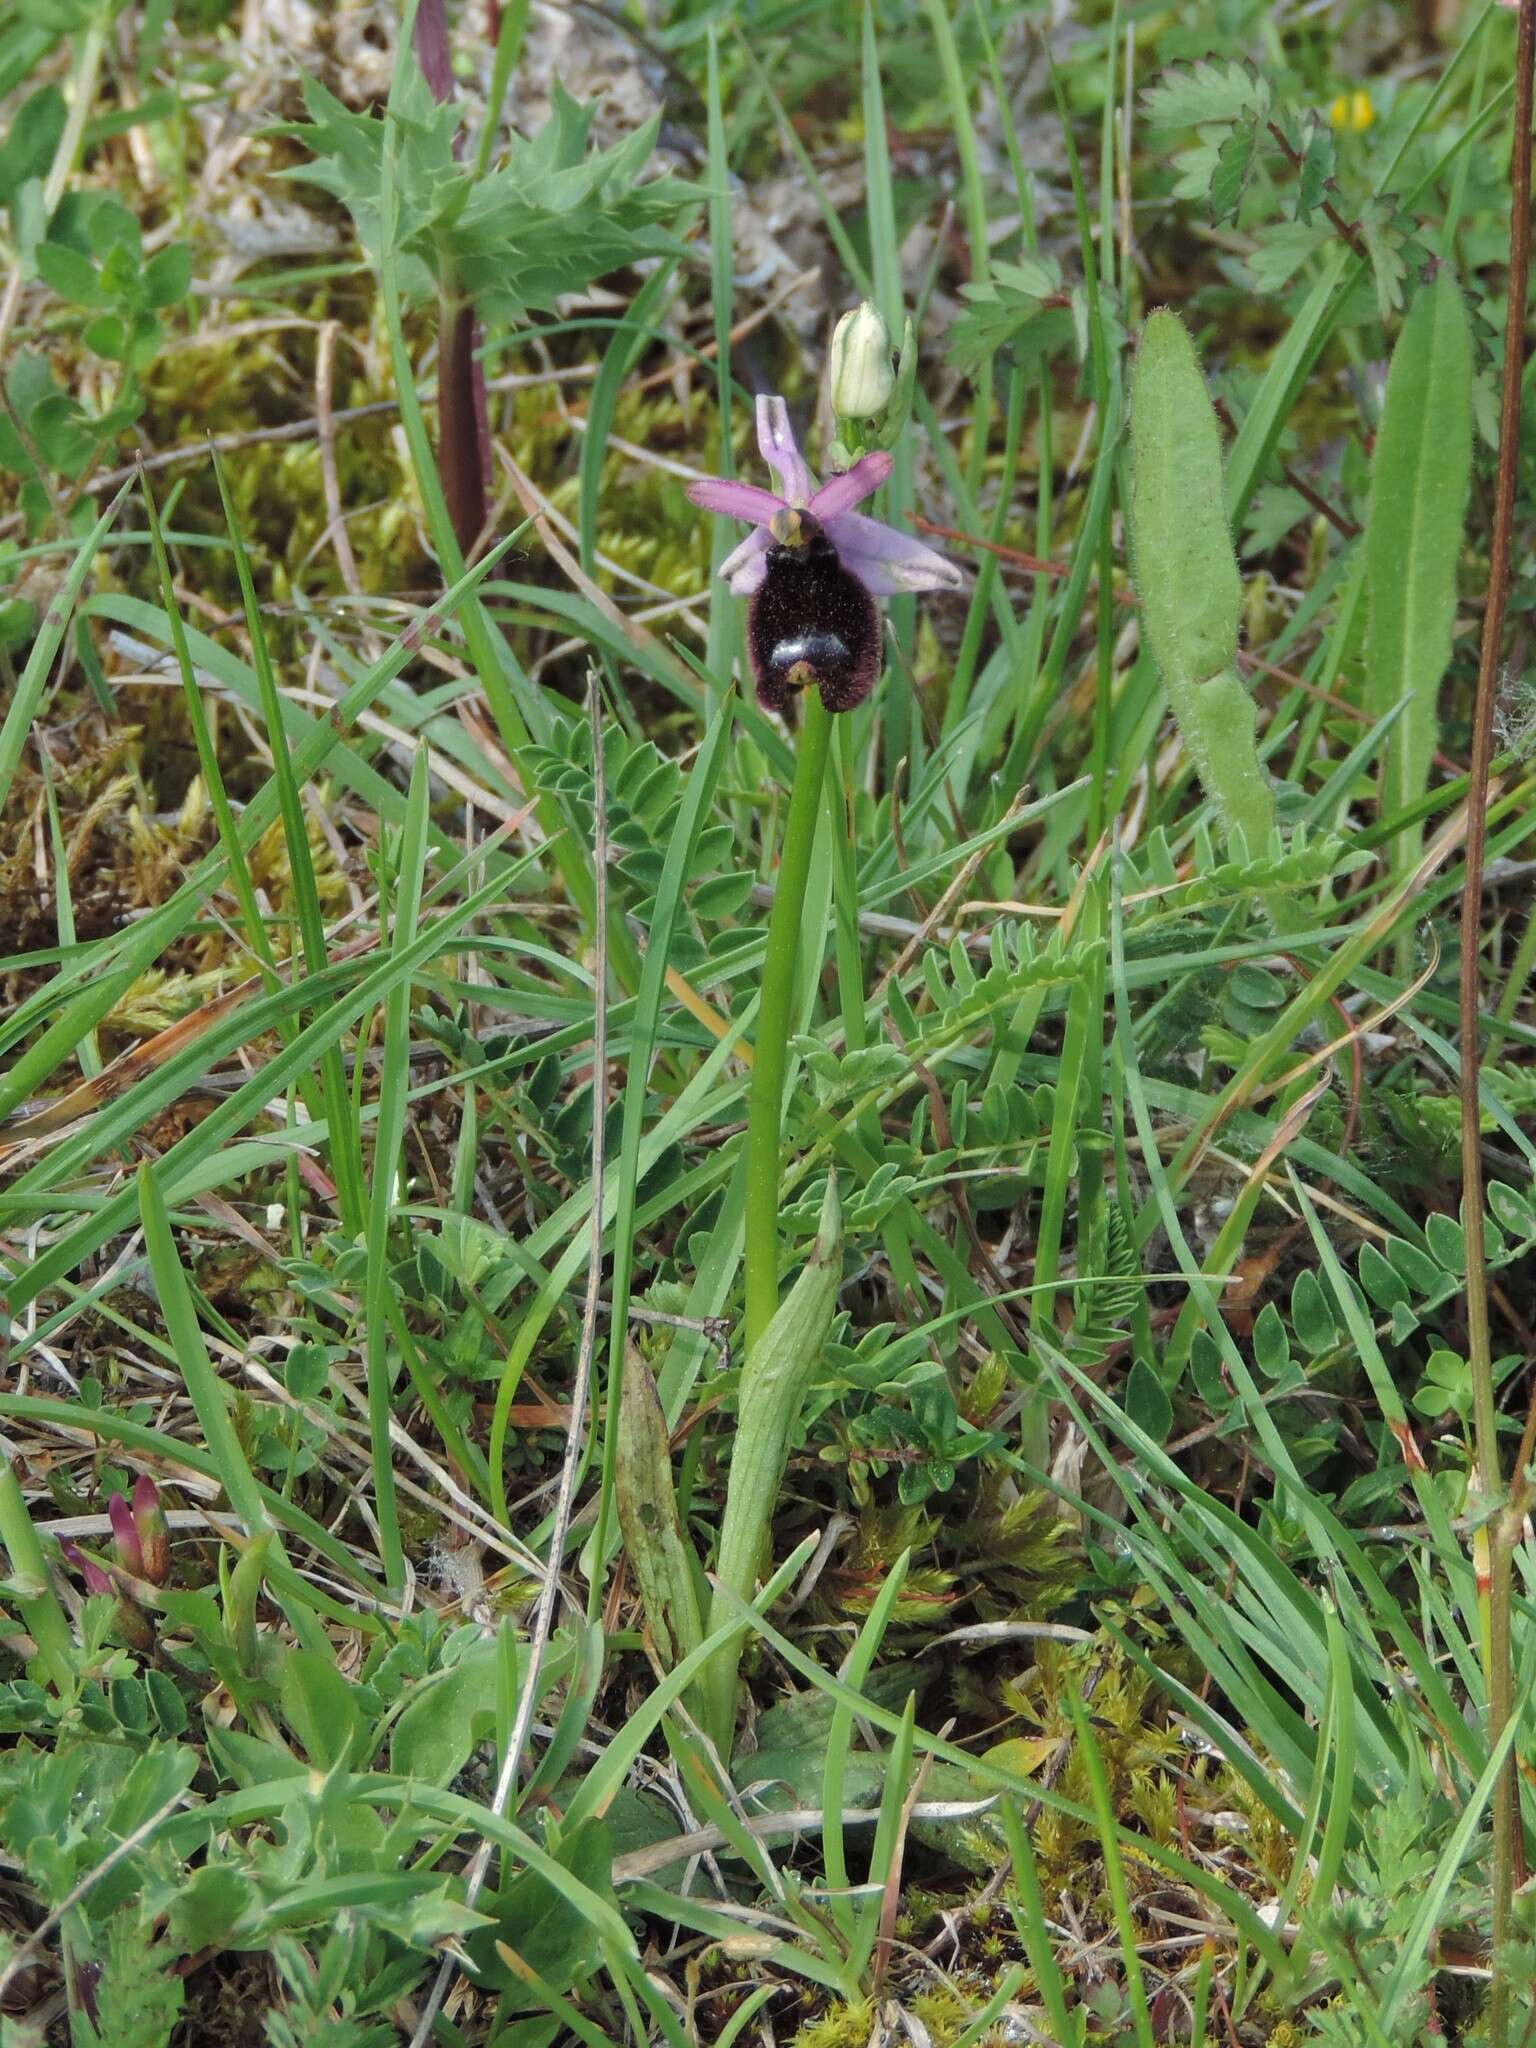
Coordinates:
<point>1500,1675</point>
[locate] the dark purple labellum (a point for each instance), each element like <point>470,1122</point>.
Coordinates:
<point>811,621</point>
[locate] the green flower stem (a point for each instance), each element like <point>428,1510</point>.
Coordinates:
<point>765,1101</point>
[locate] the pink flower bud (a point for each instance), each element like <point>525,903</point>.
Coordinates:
<point>125,1537</point>
<point>154,1531</point>
<point>130,1623</point>
<point>97,1584</point>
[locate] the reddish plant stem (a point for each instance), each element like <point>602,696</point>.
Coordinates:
<point>1500,1674</point>
<point>464,433</point>
<point>432,51</point>
<point>463,428</point>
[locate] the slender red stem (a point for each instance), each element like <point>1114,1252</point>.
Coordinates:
<point>1500,1674</point>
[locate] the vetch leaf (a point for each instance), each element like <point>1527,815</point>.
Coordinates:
<point>1381,1280</point>
<point>1447,1242</point>
<point>1147,1402</point>
<point>1512,1209</point>
<point>1312,1317</point>
<point>73,277</point>
<point>168,275</point>
<point>1271,1346</point>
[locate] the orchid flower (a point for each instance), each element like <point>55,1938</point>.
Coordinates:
<point>812,567</point>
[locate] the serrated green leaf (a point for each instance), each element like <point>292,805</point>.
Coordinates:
<point>1233,167</point>
<point>1281,250</point>
<point>1000,307</point>
<point>1191,96</point>
<point>1316,170</point>
<point>138,1996</point>
<point>547,221</point>
<point>1386,239</point>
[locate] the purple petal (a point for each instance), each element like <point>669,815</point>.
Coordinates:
<point>733,500</point>
<point>154,1530</point>
<point>125,1536</point>
<point>781,452</point>
<point>886,560</point>
<point>97,1584</point>
<point>745,567</point>
<point>96,1581</point>
<point>841,493</point>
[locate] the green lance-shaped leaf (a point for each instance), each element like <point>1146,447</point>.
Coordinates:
<point>241,1589</point>
<point>658,1551</point>
<point>1187,580</point>
<point>30,1589</point>
<point>774,1380</point>
<point>1420,475</point>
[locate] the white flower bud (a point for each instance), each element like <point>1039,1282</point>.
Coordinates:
<point>862,376</point>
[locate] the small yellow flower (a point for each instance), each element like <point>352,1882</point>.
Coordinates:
<point>1352,112</point>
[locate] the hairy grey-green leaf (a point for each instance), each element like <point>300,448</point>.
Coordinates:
<point>774,1381</point>
<point>1187,579</point>
<point>1420,475</point>
<point>654,1542</point>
